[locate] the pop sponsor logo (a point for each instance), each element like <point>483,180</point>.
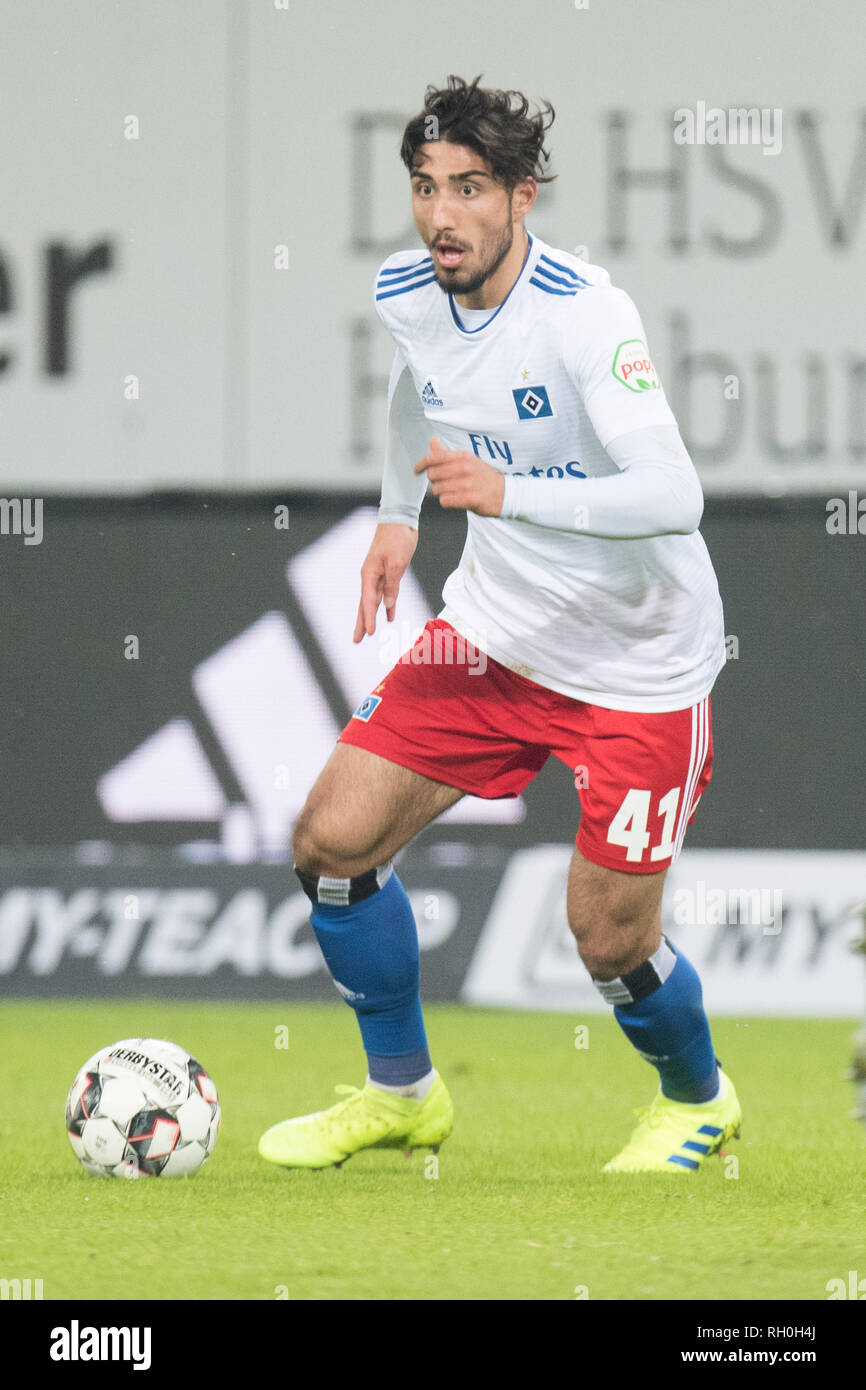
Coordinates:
<point>633,366</point>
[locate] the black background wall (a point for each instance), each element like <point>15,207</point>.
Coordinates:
<point>187,572</point>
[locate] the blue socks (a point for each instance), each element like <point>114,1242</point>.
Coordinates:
<point>367,933</point>
<point>659,1007</point>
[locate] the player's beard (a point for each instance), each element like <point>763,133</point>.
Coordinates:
<point>473,280</point>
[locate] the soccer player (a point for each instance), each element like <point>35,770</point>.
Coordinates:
<point>583,620</point>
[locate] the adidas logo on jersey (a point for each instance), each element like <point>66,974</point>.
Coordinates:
<point>428,395</point>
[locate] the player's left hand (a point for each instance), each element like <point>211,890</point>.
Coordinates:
<point>460,479</point>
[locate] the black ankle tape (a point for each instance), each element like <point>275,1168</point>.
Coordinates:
<point>343,892</point>
<point>640,983</point>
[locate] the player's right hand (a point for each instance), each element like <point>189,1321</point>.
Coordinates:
<point>387,561</point>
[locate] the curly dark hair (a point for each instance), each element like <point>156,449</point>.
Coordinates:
<point>486,121</point>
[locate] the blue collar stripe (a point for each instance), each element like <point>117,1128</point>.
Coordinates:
<point>499,307</point>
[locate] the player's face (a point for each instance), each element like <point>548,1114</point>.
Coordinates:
<point>465,218</point>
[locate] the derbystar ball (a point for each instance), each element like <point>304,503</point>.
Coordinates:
<point>142,1107</point>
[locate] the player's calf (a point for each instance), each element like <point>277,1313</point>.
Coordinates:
<point>361,810</point>
<point>655,991</point>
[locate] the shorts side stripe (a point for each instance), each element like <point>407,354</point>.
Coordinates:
<point>700,743</point>
<point>703,745</point>
<point>688,782</point>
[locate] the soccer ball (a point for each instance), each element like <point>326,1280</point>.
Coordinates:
<point>142,1108</point>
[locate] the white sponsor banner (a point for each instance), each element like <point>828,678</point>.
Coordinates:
<point>172,932</point>
<point>197,198</point>
<point>116,309</point>
<point>769,932</point>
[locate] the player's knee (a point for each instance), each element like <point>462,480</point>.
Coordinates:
<point>320,845</point>
<point>611,946</point>
<point>314,849</point>
<point>597,918</point>
<point>605,961</point>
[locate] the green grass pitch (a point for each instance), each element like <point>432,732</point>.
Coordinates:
<point>519,1208</point>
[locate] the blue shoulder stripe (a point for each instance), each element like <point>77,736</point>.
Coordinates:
<point>557,279</point>
<point>564,268</point>
<point>405,289</point>
<point>402,270</point>
<point>548,289</point>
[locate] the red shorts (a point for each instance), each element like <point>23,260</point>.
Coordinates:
<point>472,723</point>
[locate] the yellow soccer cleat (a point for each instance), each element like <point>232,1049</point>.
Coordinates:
<point>674,1138</point>
<point>366,1119</point>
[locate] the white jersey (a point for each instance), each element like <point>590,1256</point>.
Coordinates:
<point>540,386</point>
